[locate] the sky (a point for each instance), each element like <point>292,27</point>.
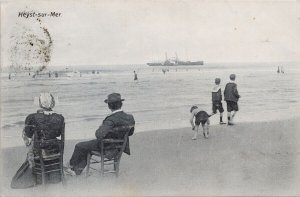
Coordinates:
<point>139,31</point>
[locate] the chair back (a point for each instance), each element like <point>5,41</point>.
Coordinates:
<point>44,157</point>
<point>118,145</point>
<point>39,144</point>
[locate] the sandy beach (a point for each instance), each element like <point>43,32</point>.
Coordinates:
<point>245,159</point>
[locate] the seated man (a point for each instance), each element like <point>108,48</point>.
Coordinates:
<point>112,127</point>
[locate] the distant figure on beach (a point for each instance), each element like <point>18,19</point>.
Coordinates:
<point>217,100</point>
<point>282,71</point>
<point>231,97</point>
<point>35,74</point>
<point>9,76</point>
<point>111,128</point>
<point>48,125</point>
<point>135,76</point>
<point>199,116</point>
<point>164,71</point>
<point>49,74</point>
<point>278,70</point>
<point>56,74</point>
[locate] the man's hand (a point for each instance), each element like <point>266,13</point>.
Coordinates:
<point>193,128</point>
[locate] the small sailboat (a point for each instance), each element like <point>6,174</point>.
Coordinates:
<point>73,74</point>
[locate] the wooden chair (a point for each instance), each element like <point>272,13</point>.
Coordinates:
<point>107,160</point>
<point>49,162</point>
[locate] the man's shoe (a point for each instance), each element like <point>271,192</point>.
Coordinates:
<point>69,171</point>
<point>222,122</point>
<point>230,123</point>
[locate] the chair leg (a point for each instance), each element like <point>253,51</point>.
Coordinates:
<point>102,166</point>
<point>62,174</point>
<point>116,166</point>
<point>43,178</point>
<point>88,164</point>
<point>43,171</point>
<point>117,169</point>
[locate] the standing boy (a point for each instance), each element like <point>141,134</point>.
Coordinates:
<point>217,100</point>
<point>200,117</point>
<point>231,97</point>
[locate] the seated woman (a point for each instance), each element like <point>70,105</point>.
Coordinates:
<point>47,125</point>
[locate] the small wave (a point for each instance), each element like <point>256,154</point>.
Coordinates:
<point>88,118</point>
<point>16,100</point>
<point>16,124</point>
<point>19,123</point>
<point>65,84</point>
<point>293,101</point>
<point>91,119</point>
<point>90,83</point>
<point>36,85</point>
<point>17,115</point>
<point>143,110</point>
<point>7,126</point>
<point>14,87</point>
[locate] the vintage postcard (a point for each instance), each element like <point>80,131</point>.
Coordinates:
<point>150,98</point>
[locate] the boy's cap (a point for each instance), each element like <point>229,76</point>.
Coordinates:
<point>232,76</point>
<point>217,80</point>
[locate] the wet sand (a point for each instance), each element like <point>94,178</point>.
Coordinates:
<point>245,159</point>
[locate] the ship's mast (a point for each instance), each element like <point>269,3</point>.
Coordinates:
<point>176,56</point>
<point>166,55</point>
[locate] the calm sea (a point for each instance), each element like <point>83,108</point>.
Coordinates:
<point>157,100</point>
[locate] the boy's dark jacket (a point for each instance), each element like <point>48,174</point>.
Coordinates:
<point>231,93</point>
<point>216,94</point>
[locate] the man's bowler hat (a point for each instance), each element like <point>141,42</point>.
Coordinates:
<point>114,97</point>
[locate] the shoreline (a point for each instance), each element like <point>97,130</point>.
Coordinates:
<point>244,159</point>
<point>212,123</point>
